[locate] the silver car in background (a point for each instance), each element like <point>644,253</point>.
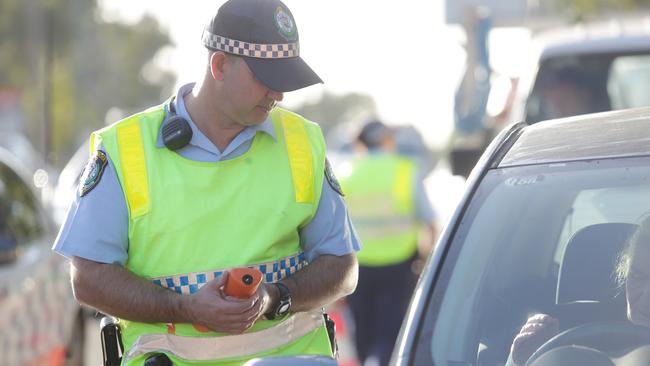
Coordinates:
<point>41,322</point>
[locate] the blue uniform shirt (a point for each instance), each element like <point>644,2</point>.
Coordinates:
<point>96,227</point>
<point>423,208</point>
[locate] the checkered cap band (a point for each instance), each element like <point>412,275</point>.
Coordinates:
<point>256,50</point>
<point>190,283</point>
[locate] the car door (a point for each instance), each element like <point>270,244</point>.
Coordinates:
<point>37,308</point>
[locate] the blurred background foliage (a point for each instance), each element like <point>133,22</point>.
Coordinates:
<point>585,8</point>
<point>332,110</point>
<point>70,67</point>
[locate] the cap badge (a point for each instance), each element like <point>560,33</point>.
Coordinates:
<point>285,24</point>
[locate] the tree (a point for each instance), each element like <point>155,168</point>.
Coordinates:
<point>332,110</point>
<point>71,68</point>
<point>584,8</point>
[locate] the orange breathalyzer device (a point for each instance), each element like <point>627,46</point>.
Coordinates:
<point>242,282</point>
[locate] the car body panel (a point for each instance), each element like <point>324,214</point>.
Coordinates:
<point>595,136</point>
<point>619,35</point>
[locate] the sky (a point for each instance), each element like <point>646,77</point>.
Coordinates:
<point>399,52</point>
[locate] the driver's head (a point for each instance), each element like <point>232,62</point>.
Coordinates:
<point>566,92</point>
<point>635,270</point>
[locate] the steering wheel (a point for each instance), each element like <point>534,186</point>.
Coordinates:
<point>605,336</point>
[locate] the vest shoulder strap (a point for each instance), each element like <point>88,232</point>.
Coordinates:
<point>134,167</point>
<point>404,181</point>
<point>299,151</point>
<point>124,143</point>
<point>128,138</point>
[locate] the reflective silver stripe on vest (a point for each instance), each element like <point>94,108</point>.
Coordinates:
<point>216,348</point>
<point>190,283</point>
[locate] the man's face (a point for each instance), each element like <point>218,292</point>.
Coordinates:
<point>565,100</point>
<point>637,285</point>
<point>249,101</point>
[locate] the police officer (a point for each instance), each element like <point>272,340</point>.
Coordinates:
<point>388,206</point>
<point>216,177</point>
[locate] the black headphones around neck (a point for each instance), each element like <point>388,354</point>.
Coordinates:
<point>176,131</point>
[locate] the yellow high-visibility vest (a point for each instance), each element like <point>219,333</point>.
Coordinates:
<point>379,195</point>
<point>189,221</point>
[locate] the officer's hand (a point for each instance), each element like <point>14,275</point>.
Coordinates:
<point>538,329</point>
<point>213,309</point>
<point>267,293</point>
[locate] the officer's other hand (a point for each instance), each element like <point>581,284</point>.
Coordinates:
<point>538,329</point>
<point>213,309</point>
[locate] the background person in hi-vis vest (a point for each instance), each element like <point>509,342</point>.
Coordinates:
<point>217,177</point>
<point>390,211</point>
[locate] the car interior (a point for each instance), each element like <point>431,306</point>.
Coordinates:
<point>591,293</point>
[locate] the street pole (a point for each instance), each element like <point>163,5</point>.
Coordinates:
<point>48,85</point>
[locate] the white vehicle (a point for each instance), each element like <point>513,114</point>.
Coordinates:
<point>68,182</point>
<point>586,69</point>
<point>41,322</point>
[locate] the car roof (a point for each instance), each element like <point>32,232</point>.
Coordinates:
<point>614,36</point>
<point>586,137</point>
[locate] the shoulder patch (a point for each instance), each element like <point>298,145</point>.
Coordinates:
<point>92,172</point>
<point>331,179</point>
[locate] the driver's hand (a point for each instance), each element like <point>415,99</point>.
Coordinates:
<point>538,329</point>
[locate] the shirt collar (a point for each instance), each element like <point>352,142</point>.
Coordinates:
<point>179,106</point>
<point>267,127</point>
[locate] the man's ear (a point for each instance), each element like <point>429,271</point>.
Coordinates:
<point>217,64</point>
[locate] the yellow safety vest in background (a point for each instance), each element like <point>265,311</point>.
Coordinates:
<point>189,221</point>
<point>379,195</point>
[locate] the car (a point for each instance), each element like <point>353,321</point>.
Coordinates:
<point>41,322</point>
<point>569,70</point>
<point>541,229</point>
<point>586,68</point>
<point>67,183</point>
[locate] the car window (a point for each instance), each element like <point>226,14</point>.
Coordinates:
<point>629,82</point>
<point>503,264</point>
<point>573,85</point>
<point>603,205</point>
<point>20,222</point>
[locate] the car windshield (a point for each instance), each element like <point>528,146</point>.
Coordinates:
<point>573,85</point>
<point>536,239</point>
